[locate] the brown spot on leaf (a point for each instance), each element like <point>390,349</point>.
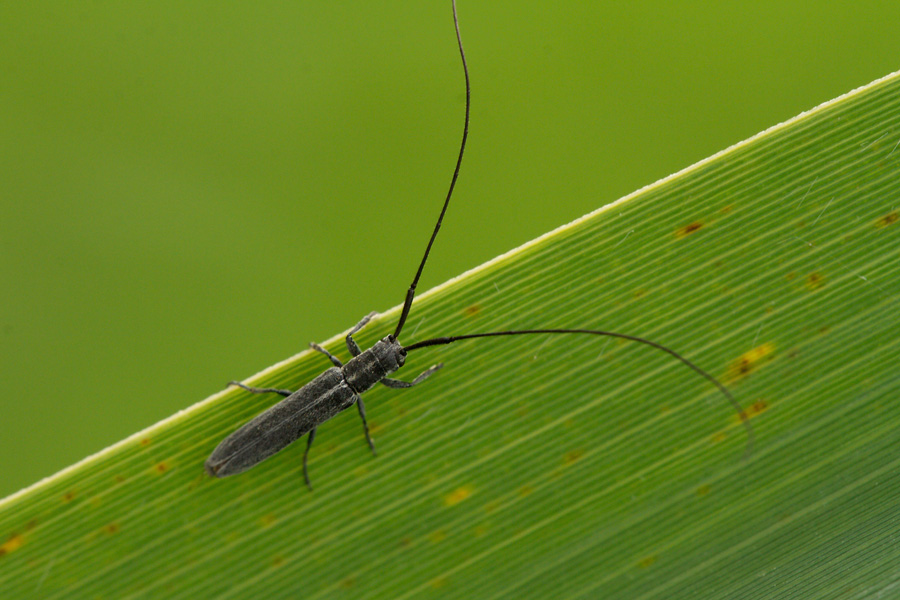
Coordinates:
<point>683,232</point>
<point>69,496</point>
<point>757,408</point>
<point>145,442</point>
<point>471,311</point>
<point>814,281</point>
<point>647,561</point>
<point>277,560</point>
<point>525,490</point>
<point>703,490</point>
<point>111,528</point>
<point>437,536</point>
<point>161,467</point>
<point>347,583</point>
<point>888,219</point>
<point>573,456</point>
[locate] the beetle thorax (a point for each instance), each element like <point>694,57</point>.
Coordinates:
<point>364,371</point>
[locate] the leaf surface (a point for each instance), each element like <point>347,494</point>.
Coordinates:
<point>563,466</point>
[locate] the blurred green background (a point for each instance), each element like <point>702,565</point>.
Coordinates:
<point>193,191</point>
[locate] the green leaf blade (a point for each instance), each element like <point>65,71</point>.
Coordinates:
<point>564,466</point>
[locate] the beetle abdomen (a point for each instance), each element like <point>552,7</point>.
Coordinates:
<point>276,428</point>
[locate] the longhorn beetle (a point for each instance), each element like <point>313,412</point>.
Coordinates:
<point>341,386</point>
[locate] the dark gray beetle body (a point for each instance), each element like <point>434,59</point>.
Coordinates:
<point>332,392</point>
<point>341,386</point>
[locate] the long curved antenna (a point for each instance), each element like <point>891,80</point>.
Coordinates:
<point>441,341</point>
<point>411,292</point>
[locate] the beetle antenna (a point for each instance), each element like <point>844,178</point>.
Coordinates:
<point>442,341</point>
<point>411,292</point>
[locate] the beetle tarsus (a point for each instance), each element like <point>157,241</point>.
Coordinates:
<point>309,441</point>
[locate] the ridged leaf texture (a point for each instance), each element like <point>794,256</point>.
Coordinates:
<point>564,466</point>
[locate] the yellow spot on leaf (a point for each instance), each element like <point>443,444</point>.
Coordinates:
<point>13,543</point>
<point>647,561</point>
<point>458,495</point>
<point>437,536</point>
<point>749,361</point>
<point>267,520</point>
<point>438,582</point>
<point>888,219</point>
<point>525,490</point>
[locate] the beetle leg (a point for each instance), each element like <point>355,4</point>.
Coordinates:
<point>256,390</point>
<point>398,384</point>
<point>334,359</point>
<point>352,346</point>
<point>362,414</point>
<point>309,441</point>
